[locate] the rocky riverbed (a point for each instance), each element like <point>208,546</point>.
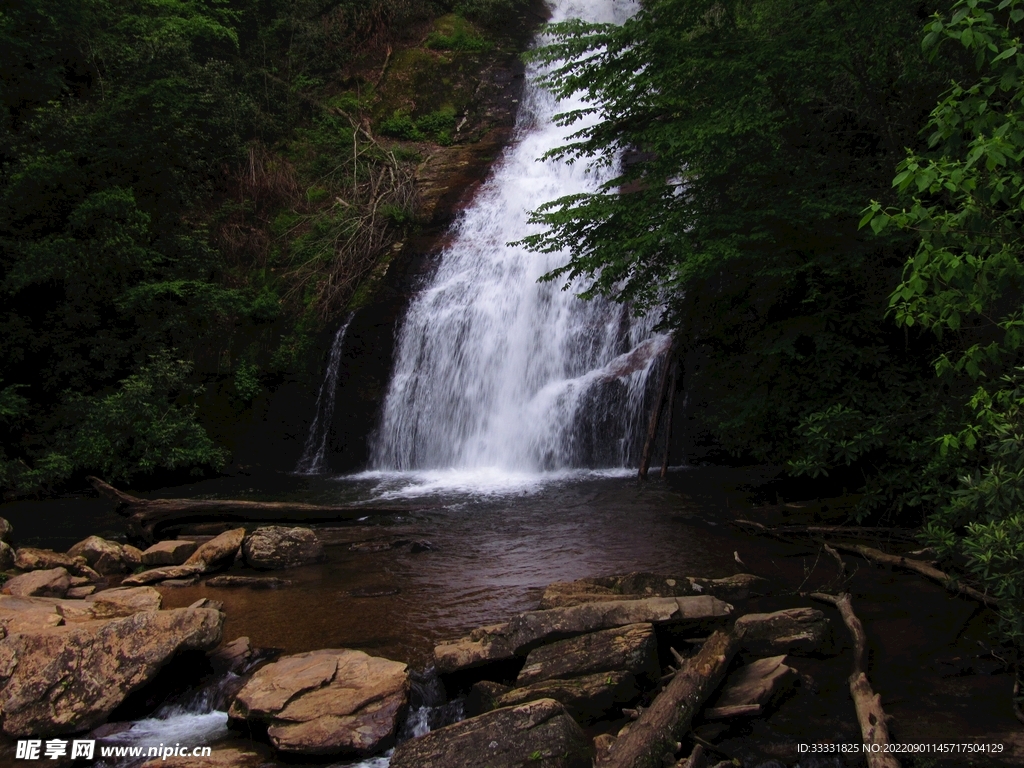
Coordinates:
<point>238,639</point>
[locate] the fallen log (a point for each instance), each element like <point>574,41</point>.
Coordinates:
<point>840,531</point>
<point>870,715</point>
<point>147,517</point>
<point>659,405</point>
<point>662,726</point>
<point>922,568</point>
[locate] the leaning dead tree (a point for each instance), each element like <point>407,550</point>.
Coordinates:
<point>147,517</point>
<point>872,718</point>
<point>659,406</point>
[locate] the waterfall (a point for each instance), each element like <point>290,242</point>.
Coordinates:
<point>494,369</point>
<point>314,454</point>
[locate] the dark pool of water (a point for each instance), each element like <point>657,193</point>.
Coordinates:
<point>496,542</point>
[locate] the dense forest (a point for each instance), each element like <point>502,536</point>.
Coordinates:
<point>189,192</point>
<point>826,196</point>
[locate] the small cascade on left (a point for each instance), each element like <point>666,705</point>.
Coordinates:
<point>314,454</point>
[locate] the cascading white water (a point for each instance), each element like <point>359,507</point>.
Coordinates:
<point>314,454</point>
<point>496,370</point>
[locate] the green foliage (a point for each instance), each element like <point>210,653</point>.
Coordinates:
<point>247,382</point>
<point>457,35</point>
<point>437,125</point>
<point>756,131</point>
<point>964,196</point>
<point>133,430</point>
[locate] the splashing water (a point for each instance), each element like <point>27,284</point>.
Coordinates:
<point>494,369</point>
<point>314,454</point>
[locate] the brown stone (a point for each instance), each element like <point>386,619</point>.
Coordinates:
<point>53,582</point>
<point>220,550</point>
<point>539,733</point>
<point>233,656</point>
<point>633,648</point>
<point>164,573</point>
<point>326,702</point>
<point>273,547</point>
<point>25,614</point>
<point>252,582</point>
<point>6,531</point>
<point>78,593</point>
<point>527,630</point>
<point>33,559</point>
<point>70,678</point>
<point>104,557</point>
<point>132,556</point>
<point>124,601</point>
<point>171,552</point>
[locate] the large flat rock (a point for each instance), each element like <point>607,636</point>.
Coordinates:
<point>168,552</point>
<point>539,733</point>
<point>103,556</point>
<point>218,551</point>
<point>326,702</point>
<point>633,648</point>
<point>530,629</point>
<point>70,678</point>
<point>52,582</point>
<point>563,594</point>
<point>274,547</point>
<point>27,614</point>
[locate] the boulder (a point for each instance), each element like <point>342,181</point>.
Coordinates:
<point>78,593</point>
<point>124,601</point>
<point>252,582</point>
<point>132,556</point>
<point>633,648</point>
<point>33,559</point>
<point>171,552</point>
<point>220,550</point>
<point>326,702</point>
<point>752,687</point>
<point>274,547</point>
<point>586,699</point>
<point>165,573</point>
<point>6,530</point>
<point>539,733</point>
<point>527,630</point>
<point>218,758</point>
<point>562,594</point>
<point>70,678</point>
<point>7,555</point>
<point>53,582</point>
<point>796,630</point>
<point>25,614</point>
<point>104,557</point>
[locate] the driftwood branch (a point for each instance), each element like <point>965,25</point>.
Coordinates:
<point>146,517</point>
<point>922,568</point>
<point>659,405</point>
<point>837,531</point>
<point>870,715</point>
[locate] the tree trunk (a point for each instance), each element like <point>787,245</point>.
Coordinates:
<point>146,517</point>
<point>661,726</point>
<point>671,407</point>
<point>652,427</point>
<point>870,715</point>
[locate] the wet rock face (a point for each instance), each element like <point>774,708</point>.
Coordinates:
<point>53,582</point>
<point>220,550</point>
<point>539,733</point>
<point>105,557</point>
<point>171,552</point>
<point>70,678</point>
<point>562,594</point>
<point>326,702</point>
<point>274,547</point>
